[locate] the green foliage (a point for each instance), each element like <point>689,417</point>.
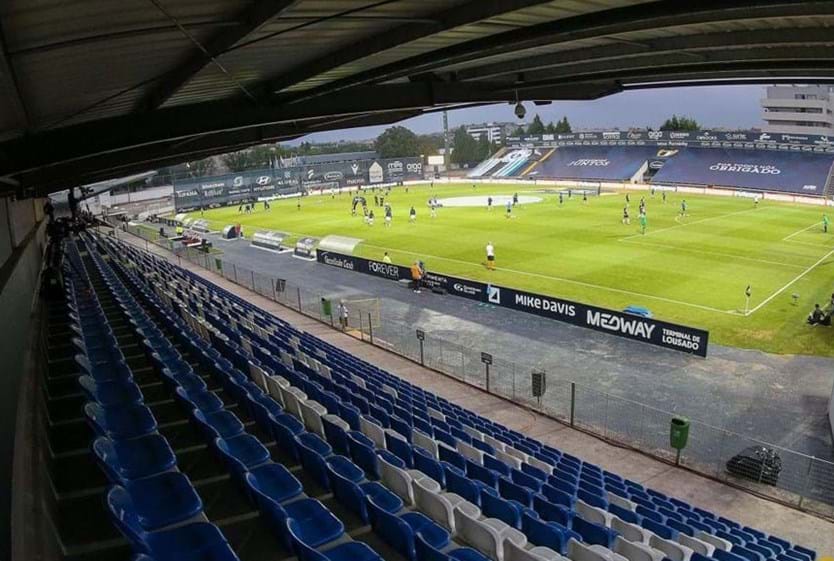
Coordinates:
<point>236,161</point>
<point>680,124</point>
<point>465,148</point>
<point>397,142</point>
<point>201,168</point>
<point>536,126</point>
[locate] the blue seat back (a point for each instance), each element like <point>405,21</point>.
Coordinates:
<point>594,534</point>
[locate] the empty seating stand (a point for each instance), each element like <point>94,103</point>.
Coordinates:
<point>313,452</point>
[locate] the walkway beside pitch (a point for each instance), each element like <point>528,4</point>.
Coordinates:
<point>768,516</point>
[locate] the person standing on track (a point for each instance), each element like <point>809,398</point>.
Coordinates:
<point>386,258</point>
<point>490,256</point>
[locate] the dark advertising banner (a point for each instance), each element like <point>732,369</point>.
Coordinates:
<point>793,172</point>
<point>660,333</point>
<point>702,139</point>
<point>595,162</point>
<point>251,185</point>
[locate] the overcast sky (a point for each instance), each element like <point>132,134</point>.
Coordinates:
<point>711,106</point>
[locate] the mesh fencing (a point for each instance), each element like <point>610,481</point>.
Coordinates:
<point>800,480</point>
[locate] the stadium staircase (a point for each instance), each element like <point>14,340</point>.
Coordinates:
<point>223,433</point>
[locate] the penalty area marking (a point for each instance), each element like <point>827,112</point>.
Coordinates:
<point>796,278</point>
<point>789,236</point>
<point>560,279</point>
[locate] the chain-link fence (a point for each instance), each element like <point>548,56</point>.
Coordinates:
<point>766,469</point>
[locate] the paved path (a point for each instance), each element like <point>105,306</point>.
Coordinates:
<point>744,507</point>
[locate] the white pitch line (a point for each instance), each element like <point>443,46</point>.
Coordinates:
<point>681,225</point>
<point>788,237</point>
<point>716,253</point>
<point>560,279</point>
<point>799,276</point>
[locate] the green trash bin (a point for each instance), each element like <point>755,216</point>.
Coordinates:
<point>679,432</point>
<point>326,307</point>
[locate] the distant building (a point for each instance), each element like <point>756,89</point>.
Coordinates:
<point>798,110</point>
<point>494,132</point>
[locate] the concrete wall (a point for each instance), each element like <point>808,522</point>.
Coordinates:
<point>22,241</point>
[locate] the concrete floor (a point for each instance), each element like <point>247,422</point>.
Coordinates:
<point>748,509</point>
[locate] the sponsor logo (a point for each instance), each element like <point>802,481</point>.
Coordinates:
<point>735,136</point>
<point>493,294</point>
<point>611,322</point>
<point>822,140</point>
<point>263,180</point>
<point>310,173</point>
<point>678,135</point>
<point>706,136</point>
<point>791,137</point>
<point>680,339</point>
<point>539,303</point>
<point>219,184</point>
<point>656,164</point>
<point>339,262</point>
<point>655,135</point>
<point>395,166</point>
<point>611,135</point>
<point>466,289</point>
<point>635,135</point>
<point>354,168</point>
<point>384,269</point>
<point>414,167</point>
<point>666,152</point>
<point>287,174</point>
<point>588,135</point>
<point>333,176</point>
<point>547,137</point>
<point>188,193</point>
<point>768,169</point>
<point>375,173</point>
<point>590,162</point>
<point>566,136</point>
<point>809,187</point>
<point>764,137</point>
<point>237,181</point>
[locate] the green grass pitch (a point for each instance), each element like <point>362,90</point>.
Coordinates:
<point>691,270</point>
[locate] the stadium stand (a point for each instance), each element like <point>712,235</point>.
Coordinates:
<point>763,170</point>
<point>613,163</point>
<point>291,416</point>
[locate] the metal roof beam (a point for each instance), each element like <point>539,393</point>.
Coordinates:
<point>471,12</point>
<point>695,46</point>
<point>640,17</point>
<point>9,85</point>
<point>250,20</point>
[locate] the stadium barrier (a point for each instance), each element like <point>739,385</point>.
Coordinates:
<point>805,482</point>
<point>660,333</point>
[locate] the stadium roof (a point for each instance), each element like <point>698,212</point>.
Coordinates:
<point>94,89</point>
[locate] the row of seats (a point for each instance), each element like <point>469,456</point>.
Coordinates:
<point>491,467</point>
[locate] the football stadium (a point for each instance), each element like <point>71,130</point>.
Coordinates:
<point>251,315</point>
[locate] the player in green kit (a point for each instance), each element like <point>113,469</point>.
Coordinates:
<point>825,223</point>
<point>644,223</point>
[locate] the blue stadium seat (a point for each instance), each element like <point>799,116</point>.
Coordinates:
<point>304,536</point>
<point>123,460</point>
<point>242,453</point>
<point>276,481</point>
<point>594,534</point>
<point>426,552</point>
<point>110,393</point>
<point>552,512</point>
<point>353,494</point>
<point>547,533</point>
<point>120,422</point>
<point>220,424</point>
<point>429,466</point>
<point>206,401</point>
<point>157,501</point>
<point>284,429</point>
<point>313,450</point>
<point>399,531</point>
<point>363,454</point>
